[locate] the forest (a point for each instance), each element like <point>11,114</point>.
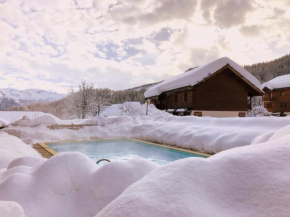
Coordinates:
<point>266,71</point>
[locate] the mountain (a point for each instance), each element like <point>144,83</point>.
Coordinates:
<point>266,71</point>
<point>24,97</point>
<point>144,86</point>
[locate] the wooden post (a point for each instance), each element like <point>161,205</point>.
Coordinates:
<point>148,102</point>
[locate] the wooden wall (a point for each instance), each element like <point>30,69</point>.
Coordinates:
<point>223,92</point>
<point>280,100</point>
<point>168,100</point>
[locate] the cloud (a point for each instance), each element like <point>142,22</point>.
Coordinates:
<point>250,31</point>
<point>226,13</point>
<point>154,12</point>
<point>122,44</point>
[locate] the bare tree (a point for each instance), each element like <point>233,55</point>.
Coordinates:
<point>2,95</point>
<point>78,103</point>
<point>99,101</point>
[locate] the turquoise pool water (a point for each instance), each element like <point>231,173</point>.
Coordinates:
<point>122,150</point>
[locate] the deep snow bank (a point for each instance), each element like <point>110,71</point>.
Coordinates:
<point>68,185</point>
<point>11,148</point>
<point>140,111</point>
<point>11,116</point>
<point>11,209</point>
<point>210,135</point>
<point>242,182</point>
<point>44,119</point>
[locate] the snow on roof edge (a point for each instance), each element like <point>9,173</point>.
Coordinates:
<point>196,75</point>
<point>282,81</point>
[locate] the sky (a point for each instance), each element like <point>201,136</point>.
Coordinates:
<point>119,44</point>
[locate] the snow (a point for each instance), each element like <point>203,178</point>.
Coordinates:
<point>2,123</point>
<point>258,111</point>
<point>116,109</point>
<point>11,116</point>
<point>242,182</point>
<point>11,209</point>
<point>152,112</point>
<point>198,74</point>
<point>112,110</point>
<point>210,135</point>
<point>247,181</point>
<point>69,185</point>
<point>11,148</point>
<point>31,95</point>
<point>45,119</point>
<point>282,81</point>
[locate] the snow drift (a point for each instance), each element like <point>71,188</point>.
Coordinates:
<point>44,119</point>
<point>206,134</point>
<point>12,116</point>
<point>11,209</point>
<point>11,148</point>
<point>68,185</point>
<point>242,182</point>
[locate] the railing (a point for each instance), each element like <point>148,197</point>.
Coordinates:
<point>103,159</point>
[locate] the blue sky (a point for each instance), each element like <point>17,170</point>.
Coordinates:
<point>55,44</point>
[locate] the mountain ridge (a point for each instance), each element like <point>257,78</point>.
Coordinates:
<point>31,95</point>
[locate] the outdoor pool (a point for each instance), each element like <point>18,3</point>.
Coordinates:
<point>123,150</point>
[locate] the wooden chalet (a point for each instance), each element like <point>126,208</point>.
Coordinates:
<point>221,88</point>
<point>277,94</point>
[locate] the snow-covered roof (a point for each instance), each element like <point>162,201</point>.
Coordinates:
<point>196,75</point>
<point>282,81</point>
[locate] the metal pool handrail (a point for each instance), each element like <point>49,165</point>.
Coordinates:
<point>103,159</point>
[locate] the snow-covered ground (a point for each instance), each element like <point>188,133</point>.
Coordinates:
<point>11,148</point>
<point>247,181</point>
<point>11,116</point>
<point>119,109</point>
<point>207,134</point>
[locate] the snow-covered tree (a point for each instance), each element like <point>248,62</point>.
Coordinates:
<point>99,101</point>
<point>78,102</point>
<point>126,107</point>
<point>1,96</point>
<point>258,111</point>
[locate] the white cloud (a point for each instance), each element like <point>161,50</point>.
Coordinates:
<point>53,44</point>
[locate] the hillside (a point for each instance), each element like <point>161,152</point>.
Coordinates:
<point>144,86</point>
<point>268,70</point>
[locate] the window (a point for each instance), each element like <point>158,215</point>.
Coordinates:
<point>176,98</point>
<point>185,97</point>
<point>285,105</point>
<point>271,95</point>
<point>282,93</point>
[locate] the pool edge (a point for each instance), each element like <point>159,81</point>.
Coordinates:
<point>175,148</point>
<point>44,150</point>
<point>52,152</point>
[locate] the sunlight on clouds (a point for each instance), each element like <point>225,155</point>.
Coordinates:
<point>54,44</point>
